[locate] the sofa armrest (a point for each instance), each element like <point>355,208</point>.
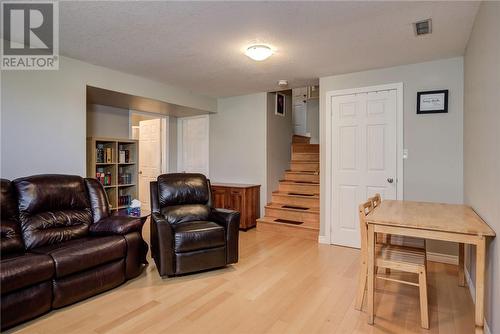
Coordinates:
<point>116,225</point>
<point>231,221</point>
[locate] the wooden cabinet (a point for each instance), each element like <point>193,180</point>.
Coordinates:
<point>244,198</point>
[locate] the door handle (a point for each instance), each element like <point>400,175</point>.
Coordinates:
<point>390,180</point>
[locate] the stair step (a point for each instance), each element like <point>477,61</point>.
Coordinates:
<point>301,139</point>
<point>301,176</point>
<point>309,216</point>
<point>305,148</point>
<point>308,201</point>
<point>269,224</point>
<point>306,166</point>
<point>299,187</point>
<point>301,156</point>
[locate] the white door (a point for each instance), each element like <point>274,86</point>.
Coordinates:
<point>193,144</point>
<point>299,118</point>
<point>364,157</point>
<point>150,157</point>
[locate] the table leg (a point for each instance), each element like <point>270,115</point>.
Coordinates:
<point>461,268</point>
<point>371,272</point>
<point>480,274</point>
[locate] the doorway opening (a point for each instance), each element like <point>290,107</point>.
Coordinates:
<point>139,138</point>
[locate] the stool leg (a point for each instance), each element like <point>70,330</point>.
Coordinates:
<point>361,284</point>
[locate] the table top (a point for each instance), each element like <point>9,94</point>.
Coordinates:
<point>453,218</point>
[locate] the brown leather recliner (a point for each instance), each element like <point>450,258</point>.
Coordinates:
<point>187,234</point>
<point>72,248</point>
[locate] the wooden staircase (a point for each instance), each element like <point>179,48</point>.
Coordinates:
<point>294,207</point>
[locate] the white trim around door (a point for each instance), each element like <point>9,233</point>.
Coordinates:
<point>328,172</point>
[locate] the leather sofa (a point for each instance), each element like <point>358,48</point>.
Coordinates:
<point>187,233</point>
<point>60,244</point>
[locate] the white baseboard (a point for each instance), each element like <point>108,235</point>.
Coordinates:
<point>442,258</point>
<point>323,239</point>
<point>486,328</point>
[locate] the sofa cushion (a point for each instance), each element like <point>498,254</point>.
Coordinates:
<point>191,236</point>
<point>84,253</point>
<point>52,209</point>
<point>10,232</point>
<point>8,200</point>
<point>185,213</point>
<point>19,271</point>
<point>11,240</point>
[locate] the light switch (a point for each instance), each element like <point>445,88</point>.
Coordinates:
<point>405,153</point>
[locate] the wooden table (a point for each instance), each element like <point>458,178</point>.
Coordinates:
<point>448,222</point>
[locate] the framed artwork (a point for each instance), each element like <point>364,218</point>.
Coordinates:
<point>432,102</point>
<point>280,104</point>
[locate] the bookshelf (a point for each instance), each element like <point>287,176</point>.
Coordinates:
<point>115,160</point>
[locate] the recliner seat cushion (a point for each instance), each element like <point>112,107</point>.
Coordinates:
<point>81,254</point>
<point>19,271</point>
<point>196,235</point>
<point>52,209</point>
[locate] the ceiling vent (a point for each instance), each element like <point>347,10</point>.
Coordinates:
<point>423,27</point>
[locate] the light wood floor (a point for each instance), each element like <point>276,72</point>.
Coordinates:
<point>280,285</point>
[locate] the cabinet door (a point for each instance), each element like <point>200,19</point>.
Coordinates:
<point>219,198</point>
<point>236,200</point>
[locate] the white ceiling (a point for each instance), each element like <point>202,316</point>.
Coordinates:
<point>199,45</point>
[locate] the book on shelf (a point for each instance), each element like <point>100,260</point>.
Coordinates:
<point>103,177</point>
<point>99,153</point>
<point>109,155</point>
<point>123,155</point>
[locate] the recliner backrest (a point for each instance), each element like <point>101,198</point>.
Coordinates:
<point>181,197</point>
<point>11,240</point>
<point>183,188</point>
<point>52,209</point>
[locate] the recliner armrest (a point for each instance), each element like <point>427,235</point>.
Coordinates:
<point>162,244</point>
<point>231,221</point>
<point>225,217</point>
<point>116,225</point>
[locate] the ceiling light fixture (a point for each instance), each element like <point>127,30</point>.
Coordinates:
<point>283,83</point>
<point>259,52</point>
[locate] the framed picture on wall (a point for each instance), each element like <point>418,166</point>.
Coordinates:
<point>432,102</point>
<point>280,104</point>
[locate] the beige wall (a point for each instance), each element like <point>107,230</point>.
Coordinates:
<point>105,121</point>
<point>482,141</point>
<point>238,141</point>
<point>43,119</point>
<point>434,169</point>
<point>278,143</point>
